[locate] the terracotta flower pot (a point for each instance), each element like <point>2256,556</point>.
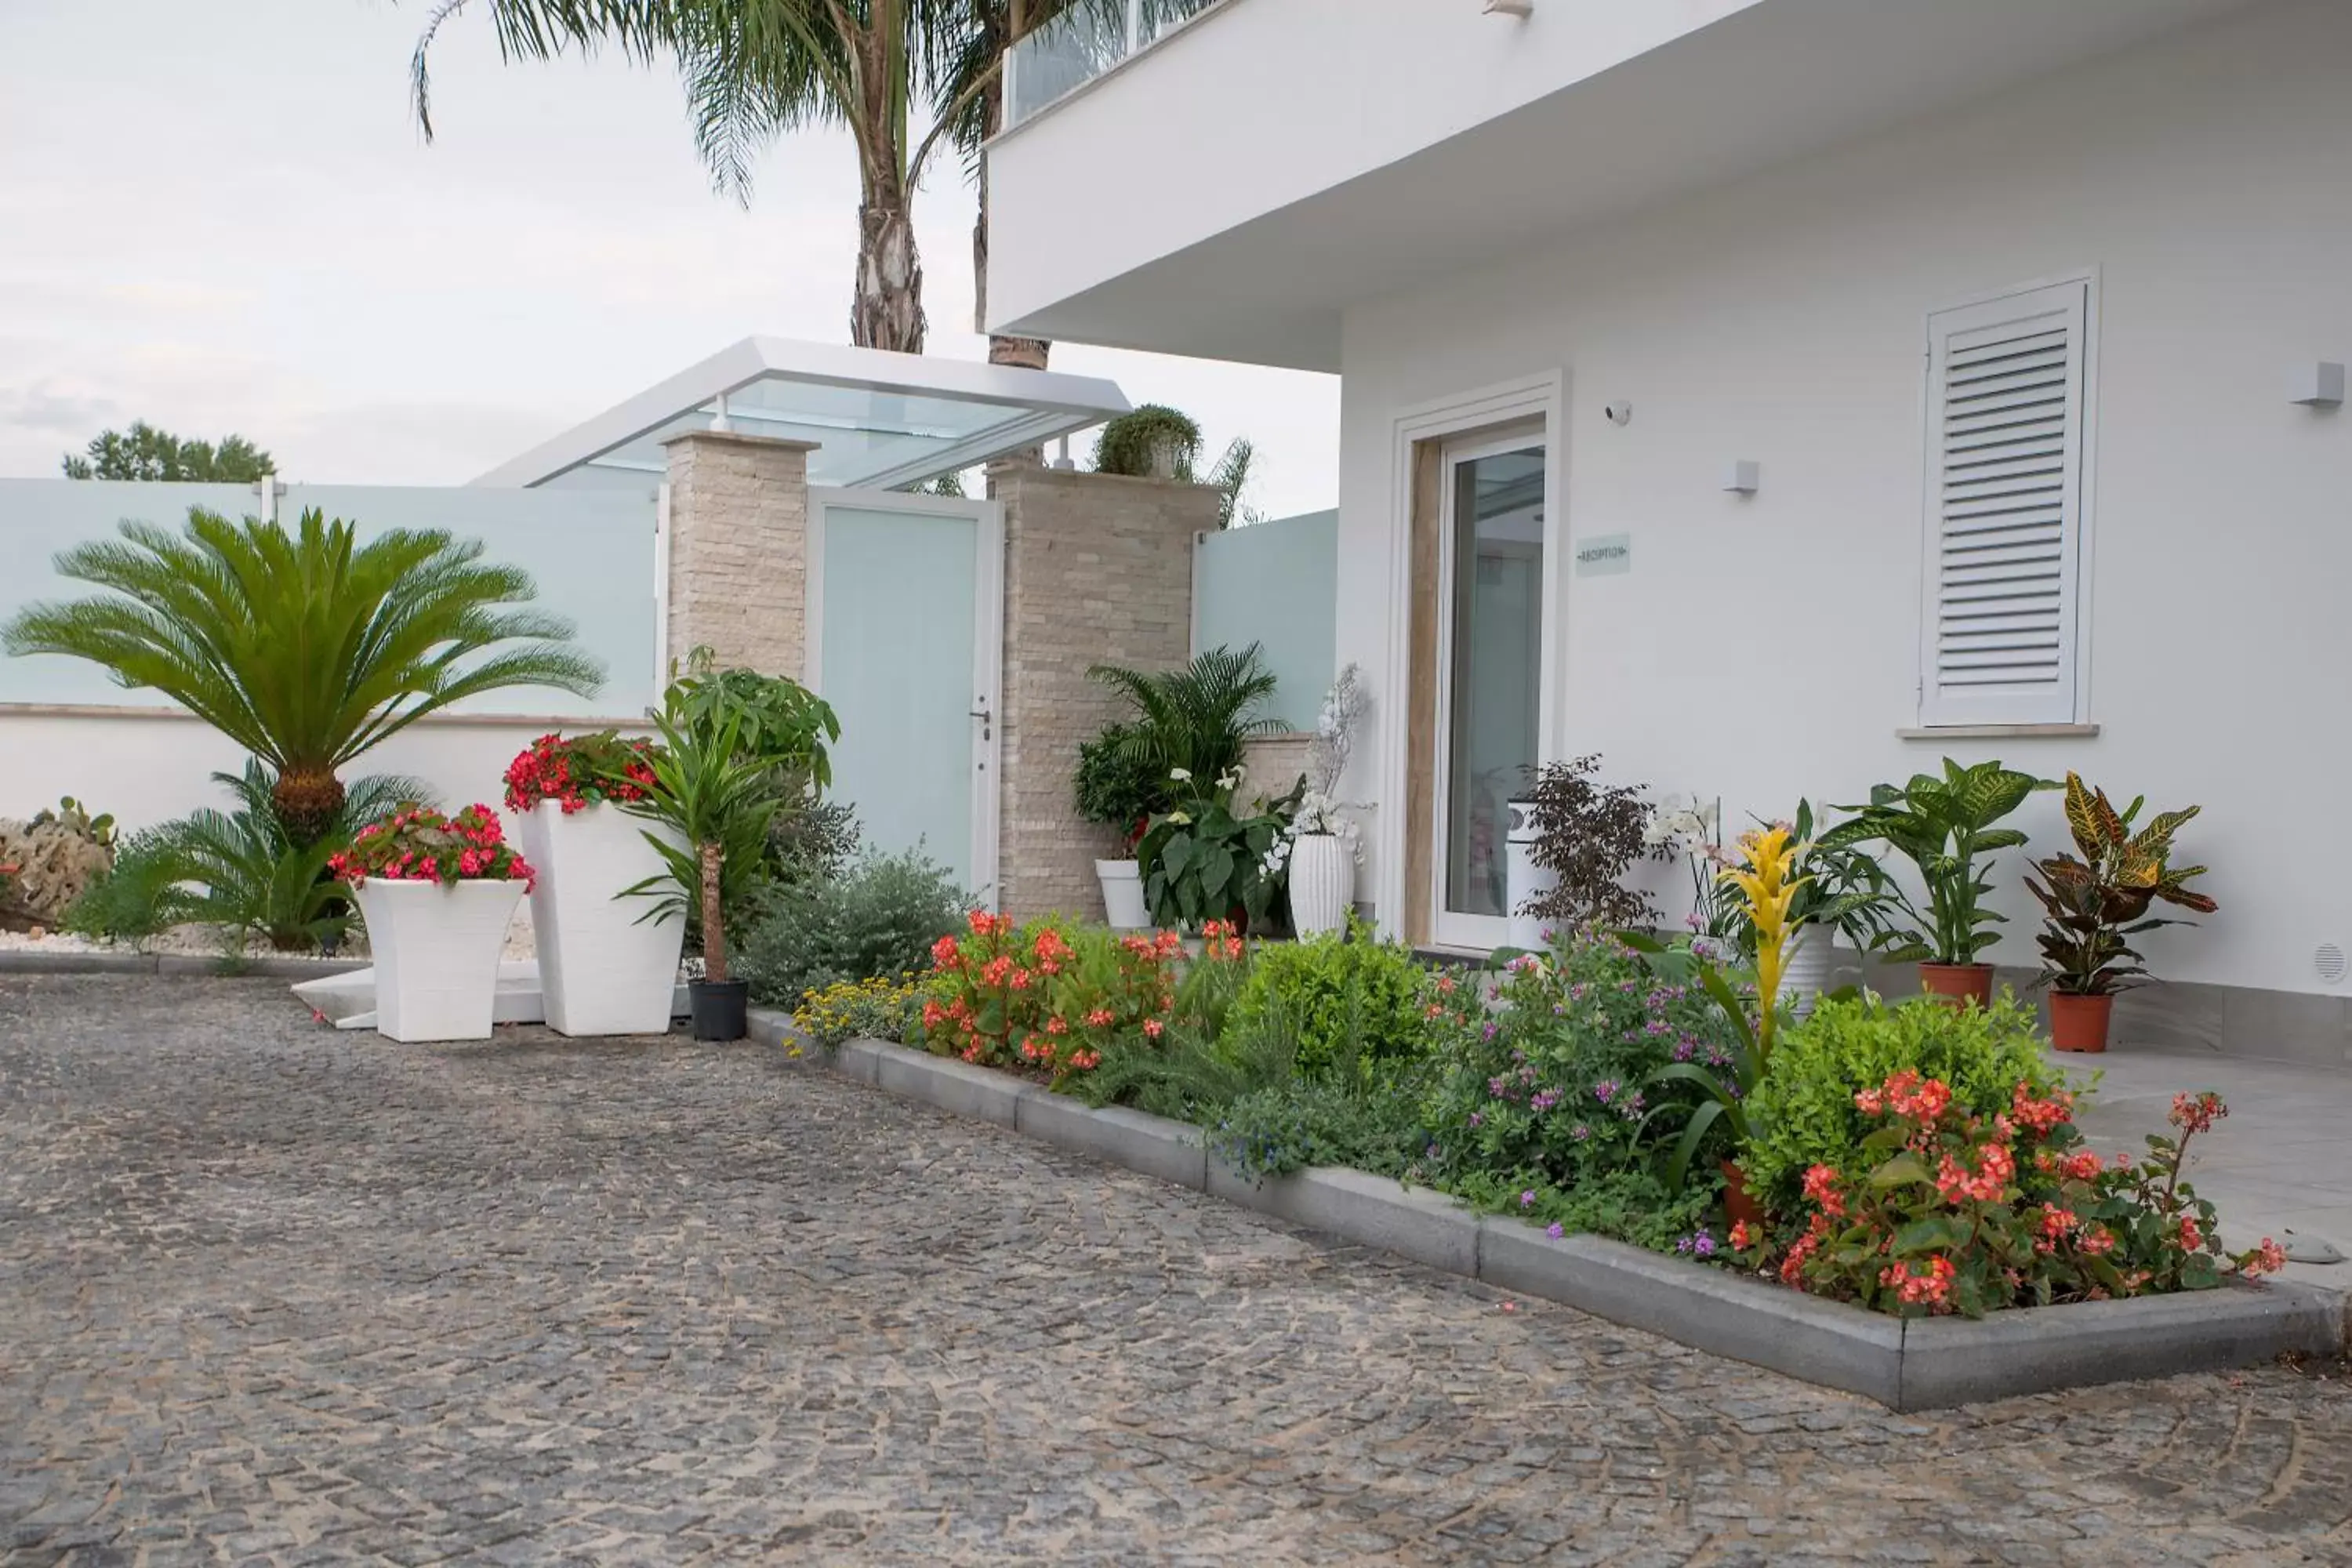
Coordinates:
<point>1958,983</point>
<point>2080,1022</point>
<point>1739,1205</point>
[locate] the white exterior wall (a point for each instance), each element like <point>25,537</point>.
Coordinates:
<point>148,768</point>
<point>1767,648</point>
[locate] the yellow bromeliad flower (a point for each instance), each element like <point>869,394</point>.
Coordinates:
<point>1768,883</point>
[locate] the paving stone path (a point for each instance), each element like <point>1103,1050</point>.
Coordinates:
<point>270,1293</point>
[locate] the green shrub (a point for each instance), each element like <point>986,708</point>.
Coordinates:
<point>138,898</point>
<point>1803,1113</point>
<point>1358,1004</point>
<point>1287,1127</point>
<point>1630,1205</point>
<point>1557,1080</point>
<point>812,841</point>
<point>880,920</point>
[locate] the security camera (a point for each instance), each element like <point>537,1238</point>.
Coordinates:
<point>1619,413</point>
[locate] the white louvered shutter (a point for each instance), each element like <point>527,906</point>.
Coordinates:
<point>2005,399</point>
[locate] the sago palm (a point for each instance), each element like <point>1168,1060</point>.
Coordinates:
<point>305,648</point>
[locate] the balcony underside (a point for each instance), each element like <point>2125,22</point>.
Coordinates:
<point>1214,255</point>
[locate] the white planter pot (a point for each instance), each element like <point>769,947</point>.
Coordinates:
<point>1807,966</point>
<point>1322,883</point>
<point>437,955</point>
<point>601,970</point>
<point>1122,891</point>
<point>1523,879</point>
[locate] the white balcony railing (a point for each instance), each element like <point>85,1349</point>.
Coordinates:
<point>1087,39</point>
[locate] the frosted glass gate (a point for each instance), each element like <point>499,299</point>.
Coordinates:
<point>906,600</point>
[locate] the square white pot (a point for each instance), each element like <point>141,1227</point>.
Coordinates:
<point>437,953</point>
<point>601,970</point>
<point>1122,891</point>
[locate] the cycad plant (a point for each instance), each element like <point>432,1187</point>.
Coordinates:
<point>305,648</point>
<point>1195,719</point>
<point>241,871</point>
<point>717,797</point>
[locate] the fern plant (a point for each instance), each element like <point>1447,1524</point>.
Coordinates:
<point>1197,717</point>
<point>305,648</point>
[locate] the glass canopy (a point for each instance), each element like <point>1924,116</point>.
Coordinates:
<point>879,420</point>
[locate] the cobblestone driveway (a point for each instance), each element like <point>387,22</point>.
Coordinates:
<point>271,1292</point>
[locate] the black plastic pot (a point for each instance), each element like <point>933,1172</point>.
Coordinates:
<point>719,1009</point>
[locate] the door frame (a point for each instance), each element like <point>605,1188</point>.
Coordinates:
<point>987,651</point>
<point>1403,842</point>
<point>1449,928</point>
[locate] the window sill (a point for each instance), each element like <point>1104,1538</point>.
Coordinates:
<point>2001,732</point>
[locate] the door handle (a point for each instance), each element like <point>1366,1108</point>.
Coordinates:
<point>987,720</point>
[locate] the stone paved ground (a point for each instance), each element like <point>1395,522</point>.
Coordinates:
<point>267,1292</point>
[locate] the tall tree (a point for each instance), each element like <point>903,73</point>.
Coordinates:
<point>755,68</point>
<point>144,452</point>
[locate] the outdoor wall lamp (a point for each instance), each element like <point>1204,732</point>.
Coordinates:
<point>1520,9</point>
<point>2319,386</point>
<point>1744,477</point>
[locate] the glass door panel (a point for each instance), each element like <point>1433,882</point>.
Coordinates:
<point>1493,679</point>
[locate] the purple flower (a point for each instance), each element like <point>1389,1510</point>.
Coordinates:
<point>1556,1230</point>
<point>1682,1049</point>
<point>1527,1199</point>
<point>1577,992</point>
<point>1432,1153</point>
<point>1605,1091</point>
<point>1634,1103</point>
<point>1491,1029</point>
<point>1656,1027</point>
<point>1701,1245</point>
<point>1579,1132</point>
<point>1544,1098</point>
<point>1476,1119</point>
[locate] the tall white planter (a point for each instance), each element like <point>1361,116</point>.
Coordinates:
<point>1807,967</point>
<point>1322,883</point>
<point>437,955</point>
<point>1523,879</point>
<point>1122,891</point>
<point>600,972</point>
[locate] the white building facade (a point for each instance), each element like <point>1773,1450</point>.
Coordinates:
<point>1777,397</point>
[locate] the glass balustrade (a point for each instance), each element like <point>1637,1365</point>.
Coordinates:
<point>1085,40</point>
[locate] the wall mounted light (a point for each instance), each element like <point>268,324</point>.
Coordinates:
<point>2318,386</point>
<point>1743,477</point>
<point>1519,8</point>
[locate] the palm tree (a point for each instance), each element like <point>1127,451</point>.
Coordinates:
<point>755,68</point>
<point>305,648</point>
<point>1198,716</point>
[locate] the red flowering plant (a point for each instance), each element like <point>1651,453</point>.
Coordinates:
<point>420,844</point>
<point>579,771</point>
<point>990,987</point>
<point>1970,1213</point>
<point>1111,987</point>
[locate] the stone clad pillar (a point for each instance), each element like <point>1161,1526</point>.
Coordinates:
<point>739,550</point>
<point>1098,570</point>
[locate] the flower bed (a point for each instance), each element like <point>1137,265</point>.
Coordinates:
<point>1556,1088</point>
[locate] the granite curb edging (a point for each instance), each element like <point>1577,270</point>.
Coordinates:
<point>1906,1364</point>
<point>33,961</point>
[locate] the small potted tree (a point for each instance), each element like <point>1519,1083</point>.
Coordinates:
<point>2093,903</point>
<point>709,801</point>
<point>602,970</point>
<point>1944,826</point>
<point>437,893</point>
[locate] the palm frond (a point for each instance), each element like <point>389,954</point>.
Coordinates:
<point>1198,716</point>
<point>306,648</point>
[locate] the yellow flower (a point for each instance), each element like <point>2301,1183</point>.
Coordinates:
<point>1766,884</point>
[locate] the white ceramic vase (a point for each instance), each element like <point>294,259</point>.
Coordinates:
<point>1806,968</point>
<point>1122,891</point>
<point>1322,883</point>
<point>437,953</point>
<point>603,967</point>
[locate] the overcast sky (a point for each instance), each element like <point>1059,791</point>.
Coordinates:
<point>221,217</point>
